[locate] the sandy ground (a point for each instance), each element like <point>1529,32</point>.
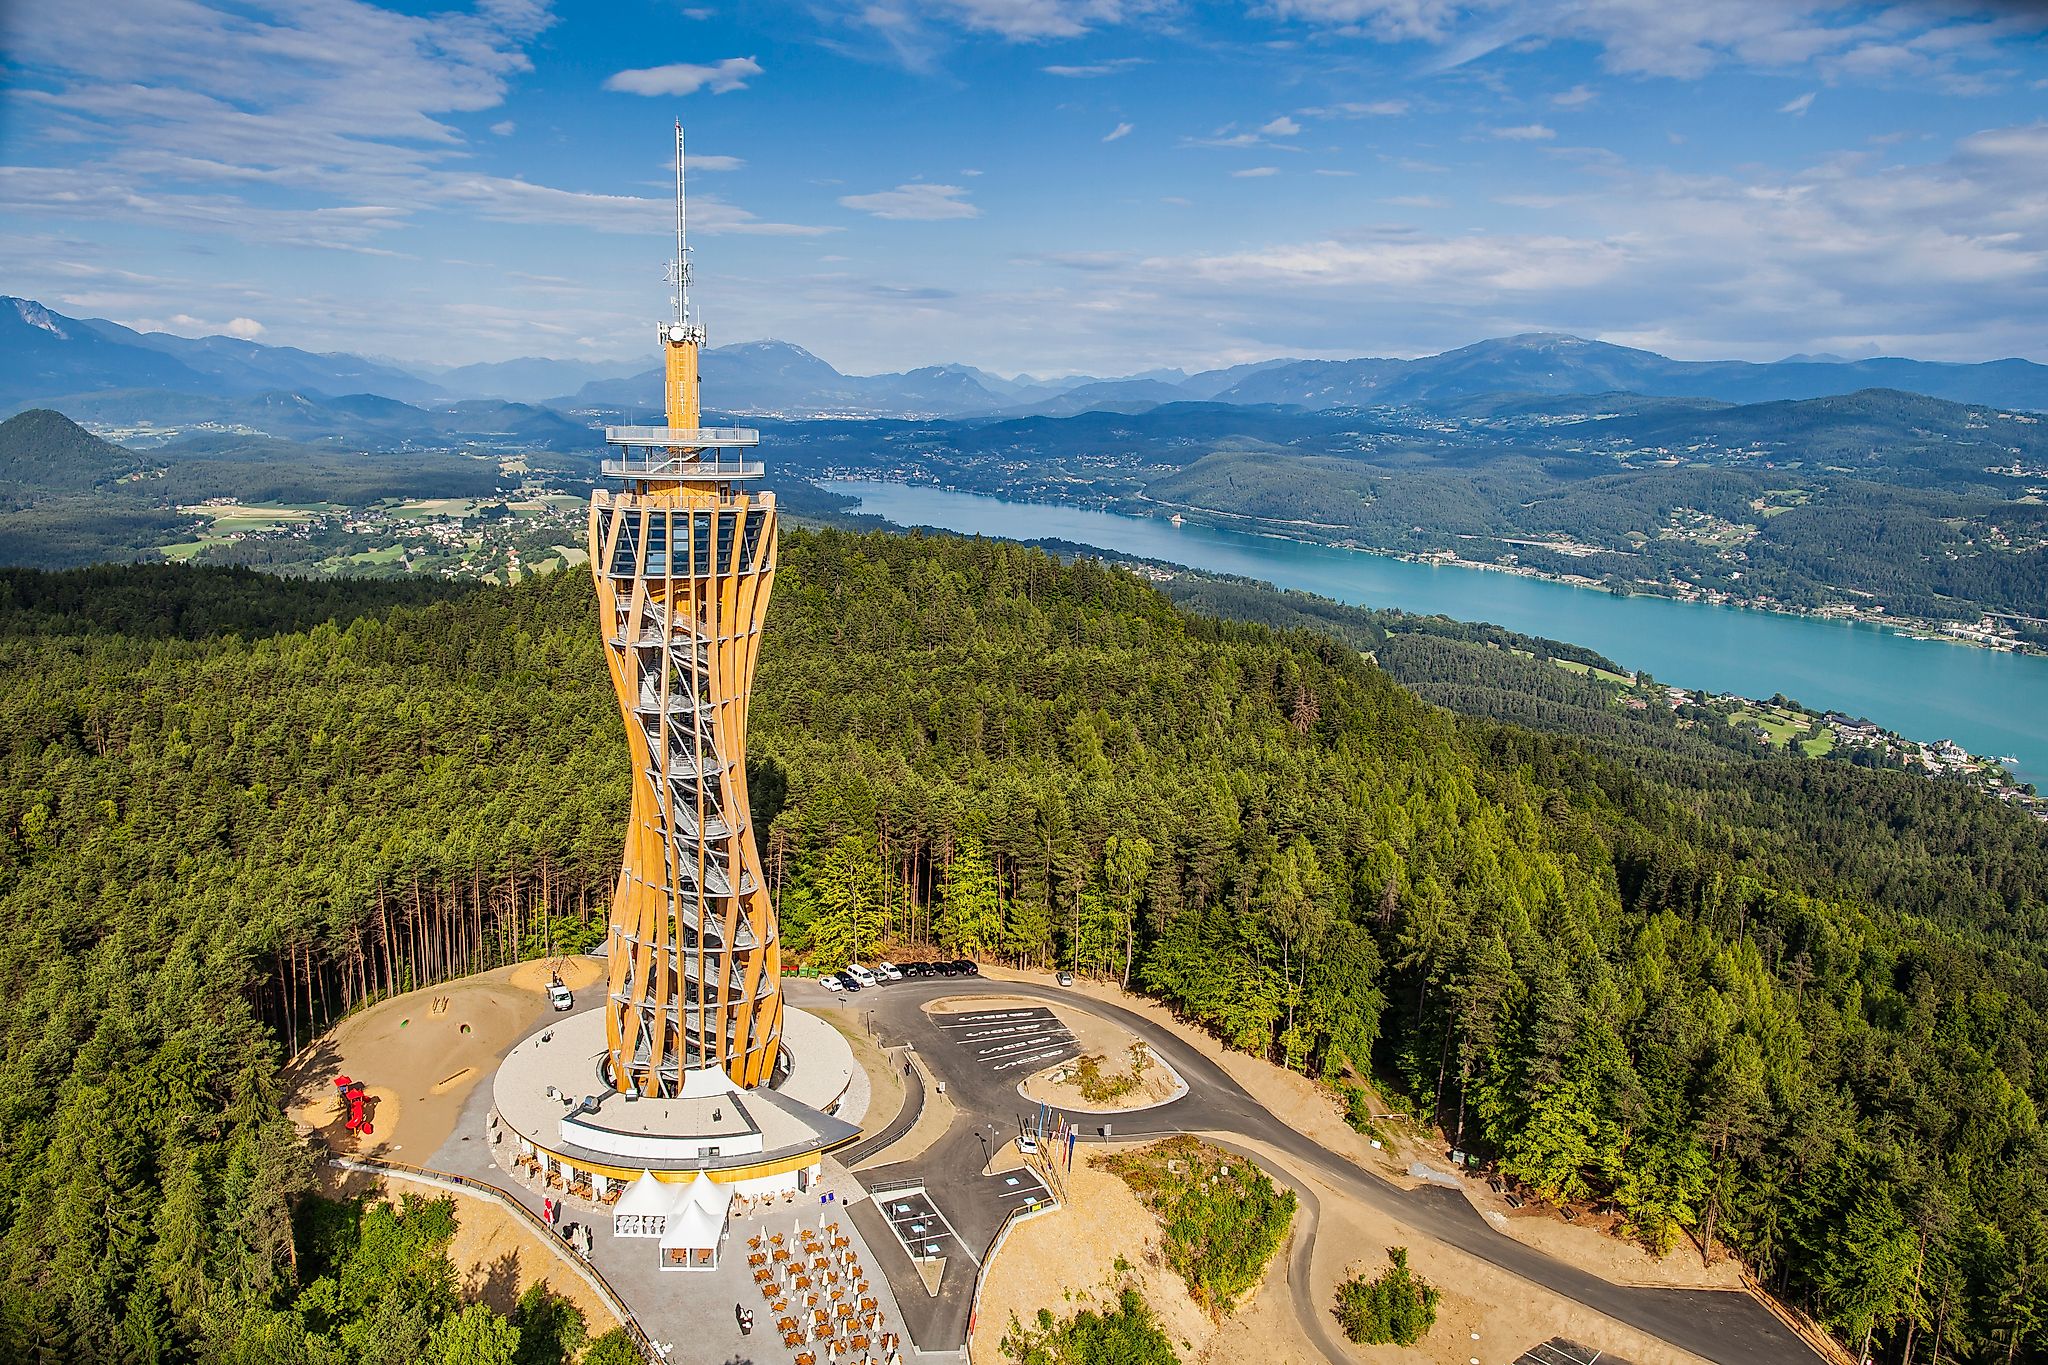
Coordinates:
<point>1508,1313</point>
<point>496,1256</point>
<point>420,1054</point>
<point>1067,1260</point>
<point>1309,1109</point>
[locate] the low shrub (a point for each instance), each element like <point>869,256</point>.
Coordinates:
<point>1397,1307</point>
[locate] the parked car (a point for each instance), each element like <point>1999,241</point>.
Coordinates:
<point>1065,978</point>
<point>560,998</point>
<point>946,968</point>
<point>911,970</point>
<point>888,971</point>
<point>832,983</point>
<point>852,984</point>
<point>860,974</point>
<point>967,967</point>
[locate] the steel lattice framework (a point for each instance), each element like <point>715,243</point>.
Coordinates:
<point>684,562</point>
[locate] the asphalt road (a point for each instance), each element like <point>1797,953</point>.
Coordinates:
<point>1718,1325</point>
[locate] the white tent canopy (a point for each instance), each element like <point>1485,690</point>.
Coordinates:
<point>646,1209</point>
<point>696,1227</point>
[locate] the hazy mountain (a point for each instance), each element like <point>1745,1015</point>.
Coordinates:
<point>46,355</point>
<point>529,379</point>
<point>152,417</point>
<point>1105,395</point>
<point>1548,362</point>
<point>776,377</point>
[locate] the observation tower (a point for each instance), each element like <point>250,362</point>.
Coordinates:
<point>691,1062</point>
<point>684,559</point>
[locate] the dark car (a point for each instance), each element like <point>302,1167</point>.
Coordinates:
<point>913,970</point>
<point>849,982</point>
<point>946,968</point>
<point>967,967</point>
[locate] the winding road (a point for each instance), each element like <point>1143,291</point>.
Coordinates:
<point>1719,1325</point>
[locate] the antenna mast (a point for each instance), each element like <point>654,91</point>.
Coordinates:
<point>682,266</point>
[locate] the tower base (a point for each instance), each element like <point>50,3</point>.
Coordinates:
<point>583,1136</point>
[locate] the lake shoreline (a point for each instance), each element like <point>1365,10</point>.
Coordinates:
<point>1924,629</point>
<point>1993,701</point>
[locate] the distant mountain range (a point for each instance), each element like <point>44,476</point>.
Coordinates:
<point>105,373</point>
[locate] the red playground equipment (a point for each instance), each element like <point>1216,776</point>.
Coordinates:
<point>352,1096</point>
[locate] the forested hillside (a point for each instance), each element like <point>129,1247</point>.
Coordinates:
<point>1683,999</point>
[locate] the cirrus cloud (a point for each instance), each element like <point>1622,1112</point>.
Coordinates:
<point>915,202</point>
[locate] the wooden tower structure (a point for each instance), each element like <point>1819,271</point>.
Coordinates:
<point>684,559</point>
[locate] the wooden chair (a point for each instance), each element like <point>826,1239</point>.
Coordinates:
<point>768,1293</point>
<point>792,1341</point>
<point>806,1358</point>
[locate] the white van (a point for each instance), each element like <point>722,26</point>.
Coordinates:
<point>860,974</point>
<point>559,996</point>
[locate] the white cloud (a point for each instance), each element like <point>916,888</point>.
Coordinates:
<point>914,203</point>
<point>1577,97</point>
<point>1094,70</point>
<point>248,329</point>
<point>1281,127</point>
<point>1527,132</point>
<point>686,78</point>
<point>504,128</point>
<point>907,26</point>
<point>1327,170</point>
<point>691,161</point>
<point>1357,109</point>
<point>1255,172</point>
<point>1417,201</point>
<point>182,93</point>
<point>1120,131</point>
<point>1799,105</point>
<point>1659,38</point>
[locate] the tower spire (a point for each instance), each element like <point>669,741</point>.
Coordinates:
<point>682,265</point>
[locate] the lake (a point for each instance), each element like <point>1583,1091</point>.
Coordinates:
<point>1989,702</point>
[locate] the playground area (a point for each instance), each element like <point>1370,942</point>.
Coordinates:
<point>415,1058</point>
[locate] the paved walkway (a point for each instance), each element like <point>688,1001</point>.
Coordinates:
<point>692,1311</point>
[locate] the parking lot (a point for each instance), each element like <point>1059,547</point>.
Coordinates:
<point>1018,1039</point>
<point>920,1228</point>
<point>1560,1351</point>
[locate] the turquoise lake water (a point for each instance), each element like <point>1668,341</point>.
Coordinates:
<point>1989,702</point>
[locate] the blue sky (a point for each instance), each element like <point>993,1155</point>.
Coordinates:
<point>1041,185</point>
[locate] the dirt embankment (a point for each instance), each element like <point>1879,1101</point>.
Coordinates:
<point>1082,1255</point>
<point>420,1055</point>
<point>496,1256</point>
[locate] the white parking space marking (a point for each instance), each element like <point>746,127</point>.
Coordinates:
<point>1004,1040</point>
